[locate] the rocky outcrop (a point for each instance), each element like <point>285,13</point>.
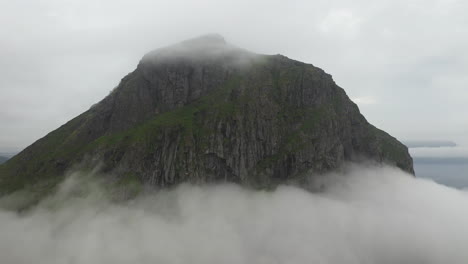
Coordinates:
<point>204,111</point>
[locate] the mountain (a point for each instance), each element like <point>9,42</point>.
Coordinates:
<point>206,111</point>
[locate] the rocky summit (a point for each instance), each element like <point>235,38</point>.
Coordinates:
<point>206,111</point>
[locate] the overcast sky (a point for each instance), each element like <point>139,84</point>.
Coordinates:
<point>404,62</point>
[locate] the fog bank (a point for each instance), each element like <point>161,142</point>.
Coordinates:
<point>366,215</point>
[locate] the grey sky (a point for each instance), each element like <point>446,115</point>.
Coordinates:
<point>403,62</point>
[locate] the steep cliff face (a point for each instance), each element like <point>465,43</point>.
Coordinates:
<point>204,111</point>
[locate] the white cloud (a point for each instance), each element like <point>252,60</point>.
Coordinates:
<point>366,216</point>
<point>365,100</point>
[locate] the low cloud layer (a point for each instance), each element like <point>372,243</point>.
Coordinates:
<point>367,215</point>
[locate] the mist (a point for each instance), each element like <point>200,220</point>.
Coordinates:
<point>203,48</point>
<point>363,215</point>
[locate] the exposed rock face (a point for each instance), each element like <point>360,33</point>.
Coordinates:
<point>204,111</point>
